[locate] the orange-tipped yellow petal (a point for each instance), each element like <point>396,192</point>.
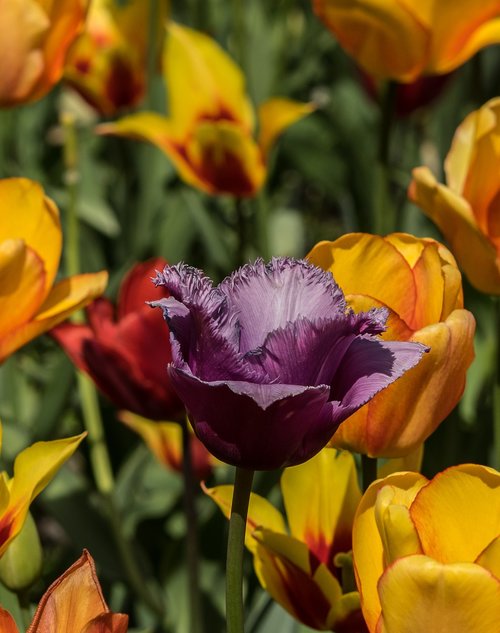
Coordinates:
<point>7,624</point>
<point>464,503</point>
<point>453,215</point>
<point>319,513</point>
<point>27,214</point>
<point>203,81</point>
<point>33,469</point>
<point>419,595</point>
<point>261,513</point>
<point>22,285</point>
<point>66,297</point>
<point>275,115</point>
<point>367,545</point>
<point>72,601</point>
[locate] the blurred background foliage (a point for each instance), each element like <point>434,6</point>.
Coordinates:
<point>132,206</point>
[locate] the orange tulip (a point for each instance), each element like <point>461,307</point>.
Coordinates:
<point>467,208</point>
<point>209,133</point>
<point>72,604</point>
<point>34,38</point>
<point>417,280</point>
<point>30,248</point>
<point>427,553</point>
<point>404,39</point>
<point>107,64</point>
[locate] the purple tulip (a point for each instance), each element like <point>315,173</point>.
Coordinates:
<point>271,361</point>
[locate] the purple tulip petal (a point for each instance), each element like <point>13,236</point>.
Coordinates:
<point>232,424</point>
<point>308,352</point>
<point>267,297</point>
<point>369,366</point>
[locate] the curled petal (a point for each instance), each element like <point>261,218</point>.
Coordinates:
<point>275,115</point>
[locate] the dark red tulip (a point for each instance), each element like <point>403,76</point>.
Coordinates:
<point>126,350</point>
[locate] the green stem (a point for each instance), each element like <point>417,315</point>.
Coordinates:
<point>262,221</point>
<point>239,32</point>
<point>496,390</point>
<point>235,547</point>
<point>241,224</point>
<point>384,211</point>
<point>25,609</point>
<point>368,470</point>
<point>99,456</point>
<point>191,532</point>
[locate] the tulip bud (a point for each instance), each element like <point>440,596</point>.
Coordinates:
<point>21,565</point>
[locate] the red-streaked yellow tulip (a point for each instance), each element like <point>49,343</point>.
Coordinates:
<point>72,604</point>
<point>34,38</point>
<point>300,568</point>
<point>164,440</point>
<point>404,39</point>
<point>417,280</point>
<point>467,208</point>
<point>107,64</point>
<point>427,553</point>
<point>30,249</point>
<point>33,469</point>
<point>209,134</point>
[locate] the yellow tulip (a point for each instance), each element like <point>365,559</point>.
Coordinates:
<point>33,469</point>
<point>72,604</point>
<point>427,553</point>
<point>417,280</point>
<point>467,208</point>
<point>34,38</point>
<point>107,63</point>
<point>30,249</point>
<point>404,39</point>
<point>209,133</point>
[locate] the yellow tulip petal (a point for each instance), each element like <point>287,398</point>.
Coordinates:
<point>282,566</point>
<point>261,513</point>
<point>66,297</point>
<point>33,469</point>
<point>72,601</point>
<point>368,551</point>
<point>362,263</point>
<point>22,28</point>
<point>203,81</point>
<point>320,513</point>
<point>490,557</point>
<point>419,595</point>
<point>27,214</point>
<point>385,38</point>
<point>411,462</point>
<point>464,505</point>
<point>7,624</point>
<point>164,439</point>
<point>275,115</point>
<point>22,285</point>
<point>454,217</point>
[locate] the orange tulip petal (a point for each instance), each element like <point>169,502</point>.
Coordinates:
<point>419,595</point>
<point>107,623</point>
<point>454,217</point>
<point>66,297</point>
<point>318,515</point>
<point>464,503</point>
<point>27,214</point>
<point>22,285</point>
<point>275,115</point>
<point>203,81</point>
<point>362,264</point>
<point>72,601</point>
<point>7,624</point>
<point>368,551</point>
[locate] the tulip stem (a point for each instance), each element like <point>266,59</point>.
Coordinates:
<point>235,547</point>
<point>192,554</point>
<point>368,470</point>
<point>496,391</point>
